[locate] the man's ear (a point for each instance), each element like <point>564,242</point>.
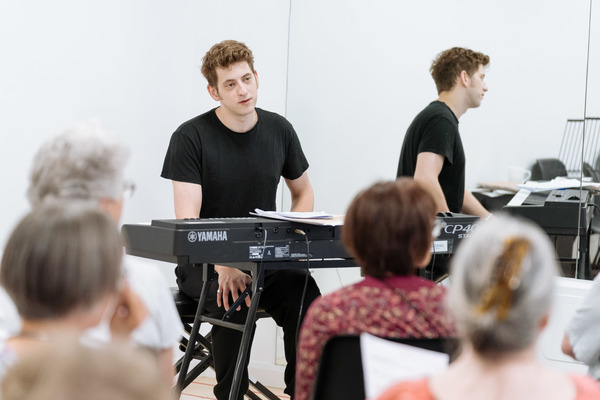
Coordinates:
<point>464,78</point>
<point>214,93</point>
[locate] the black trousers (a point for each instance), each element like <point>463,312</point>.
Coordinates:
<point>281,299</point>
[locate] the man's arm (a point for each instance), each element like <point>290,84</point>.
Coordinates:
<point>303,198</point>
<point>472,206</point>
<point>427,171</point>
<point>187,198</point>
<point>188,201</point>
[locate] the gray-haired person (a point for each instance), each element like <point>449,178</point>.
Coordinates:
<point>501,292</point>
<point>62,269</point>
<point>85,165</point>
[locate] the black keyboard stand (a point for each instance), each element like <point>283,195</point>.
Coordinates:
<point>256,270</point>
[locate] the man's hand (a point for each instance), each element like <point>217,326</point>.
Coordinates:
<point>231,281</point>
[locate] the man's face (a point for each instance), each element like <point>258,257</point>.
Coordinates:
<point>236,89</point>
<point>477,87</point>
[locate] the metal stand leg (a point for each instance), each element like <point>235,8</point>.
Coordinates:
<point>257,288</point>
<point>207,274</point>
<point>584,257</point>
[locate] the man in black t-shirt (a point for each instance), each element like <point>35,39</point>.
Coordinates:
<point>225,163</point>
<point>432,151</point>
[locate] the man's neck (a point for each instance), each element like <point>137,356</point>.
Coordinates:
<point>237,123</point>
<point>454,102</point>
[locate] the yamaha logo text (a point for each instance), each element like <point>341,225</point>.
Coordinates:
<point>207,236</point>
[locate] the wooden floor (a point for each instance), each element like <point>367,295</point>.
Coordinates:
<point>202,388</point>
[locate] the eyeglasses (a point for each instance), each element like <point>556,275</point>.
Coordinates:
<point>128,189</point>
<point>438,225</point>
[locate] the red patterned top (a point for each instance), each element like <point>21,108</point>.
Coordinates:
<point>401,306</point>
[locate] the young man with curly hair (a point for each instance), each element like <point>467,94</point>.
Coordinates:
<point>432,151</point>
<point>225,163</point>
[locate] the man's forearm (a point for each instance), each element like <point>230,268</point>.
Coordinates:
<point>472,206</point>
<point>303,202</point>
<point>436,191</point>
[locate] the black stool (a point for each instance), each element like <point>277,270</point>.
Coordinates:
<point>186,307</point>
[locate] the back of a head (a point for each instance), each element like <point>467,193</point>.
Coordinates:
<point>84,163</point>
<point>448,65</point>
<point>222,55</point>
<point>388,227</point>
<point>61,258</point>
<point>502,285</point>
<point>71,371</point>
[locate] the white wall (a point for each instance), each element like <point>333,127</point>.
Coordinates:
<point>134,64</point>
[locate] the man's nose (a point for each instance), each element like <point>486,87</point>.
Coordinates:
<point>241,89</point>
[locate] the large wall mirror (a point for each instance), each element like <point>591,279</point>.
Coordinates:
<point>358,74</point>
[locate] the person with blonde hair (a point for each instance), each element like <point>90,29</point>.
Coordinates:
<point>500,297</point>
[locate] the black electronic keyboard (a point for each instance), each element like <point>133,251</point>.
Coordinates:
<point>558,212</point>
<point>252,239</point>
<point>456,227</point>
<point>564,215</point>
<point>233,240</point>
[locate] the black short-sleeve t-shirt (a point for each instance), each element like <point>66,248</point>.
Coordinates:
<point>435,130</point>
<point>238,171</point>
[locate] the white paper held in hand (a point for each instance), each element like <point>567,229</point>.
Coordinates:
<point>386,362</point>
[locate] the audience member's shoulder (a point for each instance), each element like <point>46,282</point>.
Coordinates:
<point>146,278</point>
<point>587,387</point>
<point>143,268</point>
<point>112,371</point>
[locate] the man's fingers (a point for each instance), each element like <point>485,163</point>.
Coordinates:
<point>219,297</point>
<point>225,295</point>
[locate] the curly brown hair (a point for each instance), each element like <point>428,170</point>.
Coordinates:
<point>388,227</point>
<point>448,65</point>
<point>222,55</point>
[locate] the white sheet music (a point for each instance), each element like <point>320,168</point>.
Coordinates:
<point>313,218</point>
<point>558,183</point>
<point>519,198</point>
<point>386,362</point>
<point>293,214</point>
